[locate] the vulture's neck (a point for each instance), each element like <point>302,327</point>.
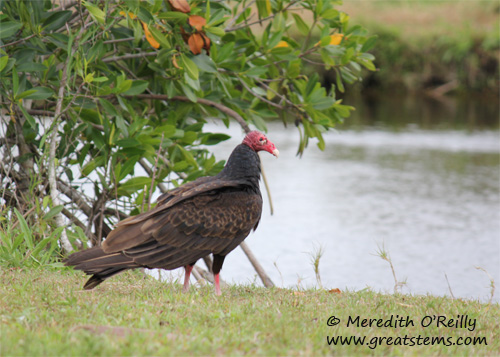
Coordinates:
<point>243,164</point>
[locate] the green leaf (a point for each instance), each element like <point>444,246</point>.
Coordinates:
<point>160,37</point>
<point>225,52</point>
<point>263,8</point>
<point>275,38</point>
<point>133,185</point>
<point>173,16</point>
<point>217,31</point>
<point>128,167</point>
<point>321,142</point>
<point>323,103</point>
<point>39,93</point>
<point>25,94</point>
<point>29,118</point>
<point>347,55</point>
<point>56,20</point>
<point>205,63</point>
<point>325,41</point>
<point>100,79</point>
<point>259,122</point>
<point>28,238</point>
<point>96,13</point>
<point>301,25</point>
<point>180,166</point>
<point>53,211</point>
<point>213,139</point>
<point>92,165</point>
<point>188,156</point>
<point>329,14</point>
<point>190,66</point>
<point>369,43</point>
<point>108,107</point>
<point>367,64</point>
<point>123,86</point>
<point>338,79</point>
<point>137,87</point>
<point>9,28</point>
<point>3,62</point>
<point>278,22</point>
<point>31,67</point>
<point>256,71</point>
<point>188,92</point>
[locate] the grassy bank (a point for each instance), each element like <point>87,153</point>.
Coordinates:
<point>442,46</point>
<point>45,312</point>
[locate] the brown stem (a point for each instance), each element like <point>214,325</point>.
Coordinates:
<point>219,106</point>
<point>268,283</point>
<point>129,56</point>
<point>148,170</point>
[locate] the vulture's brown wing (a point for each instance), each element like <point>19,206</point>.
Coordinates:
<point>214,217</point>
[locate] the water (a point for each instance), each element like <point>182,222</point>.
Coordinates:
<point>428,194</point>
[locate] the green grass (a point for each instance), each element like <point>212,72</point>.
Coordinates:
<point>45,312</point>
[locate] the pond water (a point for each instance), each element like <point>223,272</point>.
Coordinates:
<point>420,180</point>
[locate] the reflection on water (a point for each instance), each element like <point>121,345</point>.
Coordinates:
<point>431,198</point>
<point>399,112</point>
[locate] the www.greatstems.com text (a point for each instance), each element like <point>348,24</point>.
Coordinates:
<point>396,321</point>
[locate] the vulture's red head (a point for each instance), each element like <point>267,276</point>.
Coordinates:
<point>258,142</point>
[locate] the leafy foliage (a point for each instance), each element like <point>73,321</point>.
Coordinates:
<point>129,84</point>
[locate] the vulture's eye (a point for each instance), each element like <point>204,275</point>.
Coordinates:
<point>263,141</point>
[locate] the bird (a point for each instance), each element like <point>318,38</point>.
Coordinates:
<point>210,215</point>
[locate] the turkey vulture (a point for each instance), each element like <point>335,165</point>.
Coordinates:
<point>209,215</point>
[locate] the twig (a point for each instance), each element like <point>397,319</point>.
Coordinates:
<point>259,96</point>
<point>154,172</point>
<point>75,197</point>
<point>18,41</point>
<point>492,284</point>
<point>129,56</point>
<point>77,223</point>
<point>65,6</point>
<point>208,262</point>
<point>234,19</point>
<point>119,40</point>
<point>196,274</point>
<point>219,106</point>
<point>148,170</point>
<point>278,95</point>
<point>268,189</point>
<point>207,276</point>
<point>25,215</point>
<point>261,20</point>
<point>54,192</point>
<point>449,287</point>
<point>382,253</point>
<point>268,283</point>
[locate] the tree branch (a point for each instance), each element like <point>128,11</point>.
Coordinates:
<point>54,192</point>
<point>150,173</point>
<point>268,283</point>
<point>129,56</point>
<point>234,19</point>
<point>258,96</point>
<point>221,107</point>
<point>19,41</point>
<point>260,21</point>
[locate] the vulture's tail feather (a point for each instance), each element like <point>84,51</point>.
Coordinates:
<point>100,265</point>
